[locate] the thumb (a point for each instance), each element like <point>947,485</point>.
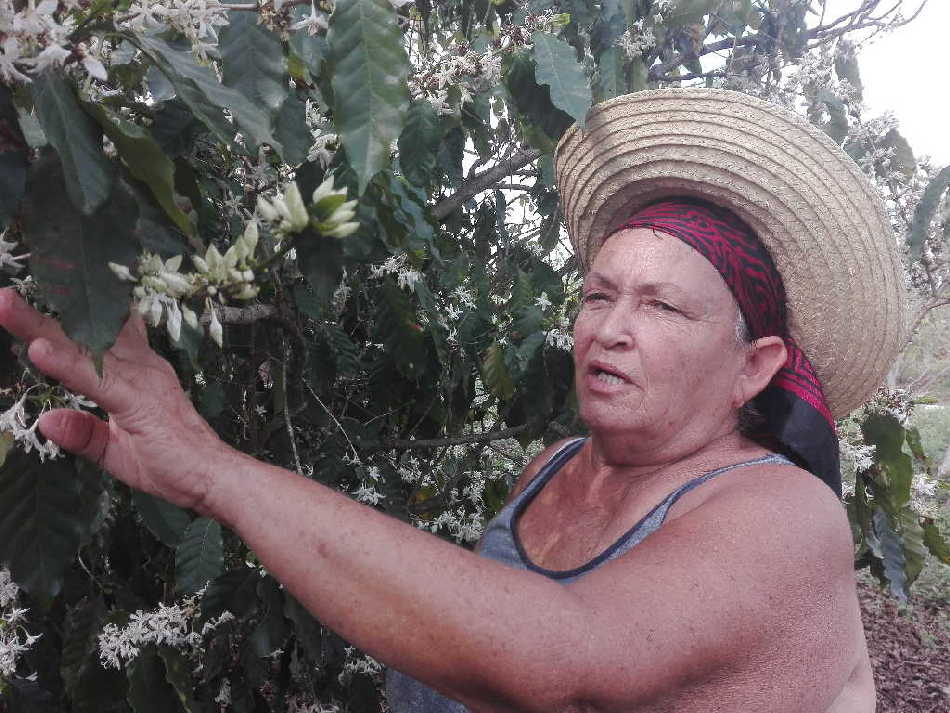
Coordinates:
<point>78,432</point>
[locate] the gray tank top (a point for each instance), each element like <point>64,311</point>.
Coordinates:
<point>501,542</point>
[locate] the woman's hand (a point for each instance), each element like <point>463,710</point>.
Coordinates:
<point>154,439</point>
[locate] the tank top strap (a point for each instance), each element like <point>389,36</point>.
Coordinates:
<point>561,456</point>
<point>656,517</point>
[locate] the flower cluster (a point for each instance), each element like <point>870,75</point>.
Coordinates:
<point>15,640</point>
<point>7,258</point>
<point>34,36</point>
<point>359,663</point>
<point>396,265</point>
<point>329,214</point>
<point>472,72</point>
<point>174,626</point>
<point>195,19</point>
<point>636,40</point>
<point>161,288</point>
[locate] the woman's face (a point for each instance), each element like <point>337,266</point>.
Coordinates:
<point>655,348</point>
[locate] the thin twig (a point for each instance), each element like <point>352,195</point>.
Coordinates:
<point>339,425</point>
<point>457,440</point>
<point>287,422</point>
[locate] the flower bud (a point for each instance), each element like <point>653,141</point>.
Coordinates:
<point>173,321</point>
<point>215,330</point>
<point>173,264</point>
<point>177,284</point>
<point>266,210</point>
<point>299,217</point>
<point>342,230</point>
<point>250,238</point>
<point>199,263</point>
<point>191,319</point>
<point>121,271</point>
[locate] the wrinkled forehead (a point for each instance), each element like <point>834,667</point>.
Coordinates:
<point>730,246</point>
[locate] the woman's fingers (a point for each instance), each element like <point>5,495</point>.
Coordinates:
<point>24,322</point>
<point>68,364</point>
<point>78,432</point>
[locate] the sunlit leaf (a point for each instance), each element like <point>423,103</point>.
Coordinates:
<point>557,67</point>
<point>70,253</point>
<point>77,140</point>
<point>370,68</point>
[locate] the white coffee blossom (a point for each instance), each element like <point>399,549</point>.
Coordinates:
<point>7,258</point>
<point>312,23</point>
<point>368,494</point>
<point>543,302</point>
<point>15,640</point>
<point>636,40</point>
<point>357,662</point>
<point>174,625</point>
<point>197,20</point>
<point>559,339</point>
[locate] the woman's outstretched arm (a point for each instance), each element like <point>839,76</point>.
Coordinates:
<point>639,629</point>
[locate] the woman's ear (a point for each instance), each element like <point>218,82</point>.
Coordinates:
<point>764,357</point>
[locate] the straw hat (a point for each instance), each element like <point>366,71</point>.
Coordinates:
<point>820,218</point>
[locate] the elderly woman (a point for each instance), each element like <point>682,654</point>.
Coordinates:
<point>671,561</point>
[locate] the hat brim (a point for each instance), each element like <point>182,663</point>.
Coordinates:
<point>808,202</point>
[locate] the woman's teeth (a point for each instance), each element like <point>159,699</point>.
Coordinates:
<point>609,378</point>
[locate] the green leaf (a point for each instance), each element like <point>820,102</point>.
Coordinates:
<point>234,591</point>
<point>292,131</point>
<point>533,103</point>
<point>557,67</point>
<point>321,261</point>
<point>307,629</point>
<point>495,373</point>
<point>935,542</point>
<point>47,511</point>
<point>345,352</point>
<point>272,629</point>
<point>400,332</point>
<point>77,140</point>
<point>149,690</point>
<point>892,554</point>
<point>886,434</point>
<point>178,673</point>
<point>145,160</point>
<point>14,153</point>
<point>199,556</point>
<point>71,251</point>
<point>198,88</point>
<point>252,61</point>
<point>419,143</point>
<point>83,624</point>
<point>925,212</point>
<point>311,50</point>
<point>610,74</point>
<point>166,521</point>
<point>370,93</point>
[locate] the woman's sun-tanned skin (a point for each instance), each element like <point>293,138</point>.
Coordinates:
<point>743,601</point>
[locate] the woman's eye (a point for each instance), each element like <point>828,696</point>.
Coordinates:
<point>594,297</point>
<point>665,306</point>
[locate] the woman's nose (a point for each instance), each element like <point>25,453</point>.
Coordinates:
<point>615,329</point>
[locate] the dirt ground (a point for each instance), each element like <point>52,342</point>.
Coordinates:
<point>910,645</point>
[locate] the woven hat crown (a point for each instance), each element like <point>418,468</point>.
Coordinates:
<point>811,206</point>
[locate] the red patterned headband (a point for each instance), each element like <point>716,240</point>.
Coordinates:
<point>793,404</point>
